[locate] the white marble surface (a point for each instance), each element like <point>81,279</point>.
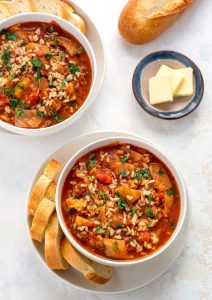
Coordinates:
<point>188,142</point>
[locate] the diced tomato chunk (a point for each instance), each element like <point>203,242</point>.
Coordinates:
<point>4,100</point>
<point>31,96</point>
<point>144,237</point>
<point>104,176</point>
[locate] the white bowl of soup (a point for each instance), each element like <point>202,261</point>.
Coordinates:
<point>121,201</point>
<point>48,71</point>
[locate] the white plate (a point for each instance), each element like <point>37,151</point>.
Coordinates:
<point>124,279</point>
<point>95,40</point>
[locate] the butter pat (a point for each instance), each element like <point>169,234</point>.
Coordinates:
<point>160,90</point>
<point>176,77</point>
<point>186,88</point>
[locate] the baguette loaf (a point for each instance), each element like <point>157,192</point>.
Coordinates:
<point>141,21</point>
<point>53,7</point>
<point>53,237</point>
<point>90,269</point>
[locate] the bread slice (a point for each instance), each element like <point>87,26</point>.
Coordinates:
<point>53,236</point>
<point>67,9</point>
<point>90,269</point>
<point>77,21</point>
<point>4,12</point>
<point>39,190</point>
<point>53,7</point>
<point>51,191</point>
<point>141,21</point>
<point>41,218</point>
<point>52,169</point>
<point>18,6</point>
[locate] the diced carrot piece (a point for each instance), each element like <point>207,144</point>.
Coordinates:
<point>104,176</point>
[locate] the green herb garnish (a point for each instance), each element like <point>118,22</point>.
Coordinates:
<point>119,226</point>
<point>56,117</point>
<point>98,228</point>
<point>41,114</point>
<point>73,68</point>
<point>161,172</point>
<point>122,204</point>
<point>6,56</point>
<point>20,87</point>
<point>56,42</point>
<point>170,192</point>
<point>13,102</point>
<point>106,233</point>
<point>22,68</point>
<point>123,173</point>
<point>91,156</point>
<point>143,173</point>
<point>6,91</point>
<point>124,159</point>
<point>51,28</point>
<point>149,213</point>
<point>115,246</point>
<point>150,198</point>
<point>11,36</point>
<point>79,51</point>
<point>36,62</point>
<point>48,54</point>
<point>134,208</point>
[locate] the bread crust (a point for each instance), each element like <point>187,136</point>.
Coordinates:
<point>42,186</point>
<point>142,21</point>
<point>90,269</point>
<point>53,236</point>
<point>41,218</point>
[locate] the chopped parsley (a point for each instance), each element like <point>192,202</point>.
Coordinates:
<point>13,102</point>
<point>41,114</point>
<point>48,54</point>
<point>3,31</point>
<point>91,156</point>
<point>170,192</point>
<point>149,213</point>
<point>51,28</point>
<point>106,233</point>
<point>36,62</point>
<point>9,66</point>
<point>115,246</point>
<point>149,224</point>
<point>22,68</point>
<point>104,195</point>
<point>109,224</point>
<point>122,204</point>
<point>79,51</point>
<point>91,164</point>
<point>119,226</point>
<point>98,228</point>
<point>161,172</point>
<point>76,196</point>
<point>150,198</point>
<point>134,208</point>
<point>6,56</point>
<point>56,42</point>
<point>11,36</point>
<point>20,87</point>
<point>23,44</point>
<point>117,194</point>
<point>123,173</point>
<point>6,91</point>
<point>55,117</point>
<point>124,159</point>
<point>73,68</point>
<point>63,83</point>
<point>143,173</point>
<point>20,108</point>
